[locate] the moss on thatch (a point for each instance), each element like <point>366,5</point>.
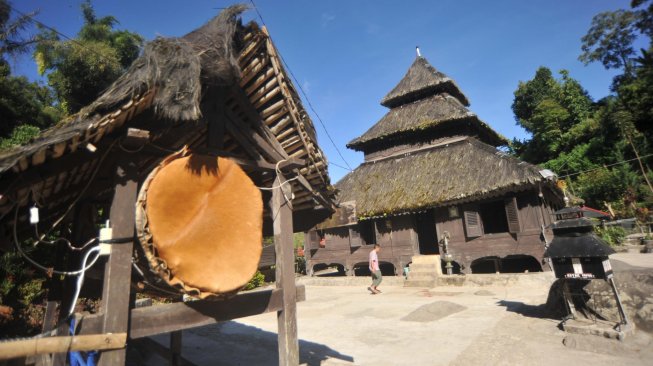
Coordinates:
<point>420,81</point>
<point>461,171</point>
<point>425,114</point>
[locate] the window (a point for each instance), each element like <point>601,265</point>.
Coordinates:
<point>492,217</point>
<point>366,230</point>
<point>355,239</point>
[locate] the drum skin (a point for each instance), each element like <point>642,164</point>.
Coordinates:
<point>204,220</point>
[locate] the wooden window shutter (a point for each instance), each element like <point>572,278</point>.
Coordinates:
<point>473,224</point>
<point>355,237</point>
<point>314,239</point>
<point>512,214</point>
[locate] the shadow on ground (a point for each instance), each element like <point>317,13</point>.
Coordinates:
<point>531,311</point>
<point>233,343</point>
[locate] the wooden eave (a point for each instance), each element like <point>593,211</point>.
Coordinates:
<point>55,167</point>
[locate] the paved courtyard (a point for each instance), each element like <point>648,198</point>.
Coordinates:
<point>470,325</point>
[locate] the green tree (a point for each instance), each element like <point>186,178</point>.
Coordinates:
<point>79,70</point>
<point>610,40</point>
<point>12,40</point>
<point>22,103</point>
<point>557,114</point>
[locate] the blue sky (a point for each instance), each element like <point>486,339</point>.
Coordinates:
<point>348,54</point>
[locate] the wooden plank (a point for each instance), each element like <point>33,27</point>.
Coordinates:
<point>117,273</point>
<point>285,275</point>
<point>244,141</point>
<point>152,320</point>
<point>37,346</point>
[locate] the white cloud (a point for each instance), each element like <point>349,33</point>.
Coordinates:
<point>327,18</point>
<point>306,86</point>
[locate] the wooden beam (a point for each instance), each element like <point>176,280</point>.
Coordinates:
<point>38,346</point>
<point>285,275</point>
<point>158,319</point>
<point>175,348</point>
<point>117,273</point>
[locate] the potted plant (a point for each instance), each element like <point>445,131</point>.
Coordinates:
<point>647,241</point>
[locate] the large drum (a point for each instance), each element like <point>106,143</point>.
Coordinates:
<point>199,220</point>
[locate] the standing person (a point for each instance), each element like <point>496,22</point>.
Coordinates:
<point>375,270</point>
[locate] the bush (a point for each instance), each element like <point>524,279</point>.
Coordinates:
<point>613,235</point>
<point>300,264</point>
<point>257,281</point>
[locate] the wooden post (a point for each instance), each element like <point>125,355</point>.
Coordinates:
<point>281,209</point>
<point>117,273</point>
<point>175,348</point>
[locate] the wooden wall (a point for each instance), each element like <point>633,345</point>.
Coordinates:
<point>527,214</point>
<point>345,246</point>
<point>533,213</point>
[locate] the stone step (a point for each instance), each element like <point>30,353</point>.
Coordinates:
<point>430,267</point>
<point>451,280</point>
<point>426,259</point>
<point>422,276</point>
<point>419,283</point>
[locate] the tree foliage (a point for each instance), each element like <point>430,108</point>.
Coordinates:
<point>22,103</point>
<point>79,70</point>
<point>12,39</point>
<point>555,112</point>
<point>594,145</point>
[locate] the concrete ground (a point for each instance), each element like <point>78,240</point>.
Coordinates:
<point>470,325</point>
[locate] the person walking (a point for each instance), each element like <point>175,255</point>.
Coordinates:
<point>375,270</point>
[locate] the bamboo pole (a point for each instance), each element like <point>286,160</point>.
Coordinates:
<point>37,346</point>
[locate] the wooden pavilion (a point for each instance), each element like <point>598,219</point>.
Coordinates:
<point>220,90</point>
<point>432,170</point>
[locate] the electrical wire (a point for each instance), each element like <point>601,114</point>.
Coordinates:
<point>40,266</point>
<point>80,278</point>
<point>299,86</point>
<point>84,189</point>
<point>31,18</point>
<point>340,166</point>
<point>604,166</point>
<point>41,239</point>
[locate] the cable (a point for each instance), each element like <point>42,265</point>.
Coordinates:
<point>279,175</point>
<point>80,278</point>
<point>304,93</point>
<point>83,191</point>
<point>340,166</point>
<point>40,266</point>
<point>40,239</point>
<point>140,272</point>
<point>59,33</point>
<point>605,166</point>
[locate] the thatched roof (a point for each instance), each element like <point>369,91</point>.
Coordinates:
<point>427,113</point>
<point>460,170</point>
<point>420,81</point>
<point>223,72</point>
<point>167,77</point>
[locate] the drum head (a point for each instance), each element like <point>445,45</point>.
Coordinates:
<point>203,227</point>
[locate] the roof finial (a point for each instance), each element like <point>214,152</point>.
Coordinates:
<point>419,54</point>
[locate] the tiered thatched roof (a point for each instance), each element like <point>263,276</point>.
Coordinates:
<point>455,171</point>
<point>424,114</point>
<point>420,81</point>
<point>424,104</point>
